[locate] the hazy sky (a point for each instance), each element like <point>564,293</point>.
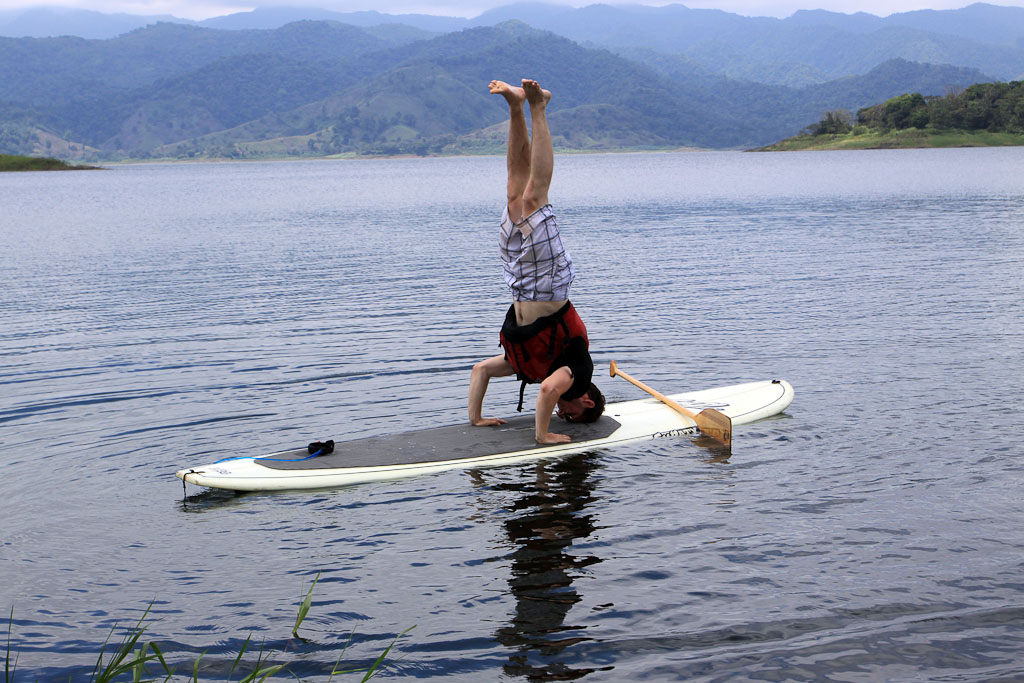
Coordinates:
<point>203,9</point>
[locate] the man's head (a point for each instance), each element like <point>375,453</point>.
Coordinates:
<point>586,408</point>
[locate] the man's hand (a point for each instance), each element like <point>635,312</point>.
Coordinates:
<point>553,438</point>
<point>489,422</point>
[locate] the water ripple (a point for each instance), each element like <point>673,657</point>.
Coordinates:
<point>210,310</point>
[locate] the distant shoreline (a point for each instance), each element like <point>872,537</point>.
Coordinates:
<point>909,138</point>
<point>13,163</point>
<point>904,139</point>
<point>351,156</point>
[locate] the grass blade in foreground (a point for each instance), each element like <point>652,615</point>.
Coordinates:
<point>8,669</point>
<point>130,658</point>
<point>304,607</point>
<point>380,660</point>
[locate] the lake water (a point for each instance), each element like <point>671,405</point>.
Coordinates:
<point>161,316</point>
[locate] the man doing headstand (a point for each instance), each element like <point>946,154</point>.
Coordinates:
<point>543,337</point>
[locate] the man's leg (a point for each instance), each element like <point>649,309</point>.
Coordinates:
<point>542,157</point>
<point>481,376</point>
<point>518,157</point>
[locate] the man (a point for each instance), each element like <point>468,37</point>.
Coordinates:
<point>543,337</point>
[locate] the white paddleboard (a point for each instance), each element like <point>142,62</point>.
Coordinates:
<point>424,451</point>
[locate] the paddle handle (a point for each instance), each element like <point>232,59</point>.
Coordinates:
<point>710,422</point>
<point>614,370</point>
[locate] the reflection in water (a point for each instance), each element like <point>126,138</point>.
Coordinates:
<point>713,451</point>
<point>548,516</point>
<point>210,499</point>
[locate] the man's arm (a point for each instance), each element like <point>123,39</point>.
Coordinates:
<point>556,384</point>
<point>482,373</point>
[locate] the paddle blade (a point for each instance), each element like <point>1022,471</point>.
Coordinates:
<point>715,424</point>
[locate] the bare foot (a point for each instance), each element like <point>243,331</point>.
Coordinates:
<point>535,95</point>
<point>514,95</point>
<point>489,422</point>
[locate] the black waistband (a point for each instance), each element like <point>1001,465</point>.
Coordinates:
<point>518,333</point>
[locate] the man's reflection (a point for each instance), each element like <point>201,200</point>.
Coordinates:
<point>548,515</point>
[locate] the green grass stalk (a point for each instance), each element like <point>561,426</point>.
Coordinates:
<point>8,669</point>
<point>304,607</point>
<point>131,657</point>
<point>383,655</point>
<point>122,661</point>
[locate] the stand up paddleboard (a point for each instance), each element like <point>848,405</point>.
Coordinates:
<point>423,451</point>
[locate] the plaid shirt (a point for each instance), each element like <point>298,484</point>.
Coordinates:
<point>537,266</point>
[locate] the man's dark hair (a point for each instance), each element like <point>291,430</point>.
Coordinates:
<point>591,414</point>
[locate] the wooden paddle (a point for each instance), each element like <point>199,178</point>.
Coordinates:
<point>709,421</point>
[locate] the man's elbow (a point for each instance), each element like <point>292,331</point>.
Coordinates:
<point>549,392</point>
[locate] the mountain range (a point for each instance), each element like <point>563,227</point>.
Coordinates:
<point>304,82</point>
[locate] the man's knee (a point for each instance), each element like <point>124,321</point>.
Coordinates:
<point>496,366</point>
<point>533,199</point>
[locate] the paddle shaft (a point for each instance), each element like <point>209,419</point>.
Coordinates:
<point>614,370</point>
<point>709,421</point>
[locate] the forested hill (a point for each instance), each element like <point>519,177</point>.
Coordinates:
<point>320,88</point>
<point>811,46</point>
<point>984,114</point>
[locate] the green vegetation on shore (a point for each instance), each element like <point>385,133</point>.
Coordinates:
<point>911,138</point>
<point>983,115</point>
<point>10,162</point>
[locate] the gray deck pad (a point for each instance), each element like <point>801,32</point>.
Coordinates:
<point>453,442</point>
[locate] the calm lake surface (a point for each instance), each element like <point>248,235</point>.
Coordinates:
<point>161,316</point>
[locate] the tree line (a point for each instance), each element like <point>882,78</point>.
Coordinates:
<point>995,107</point>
